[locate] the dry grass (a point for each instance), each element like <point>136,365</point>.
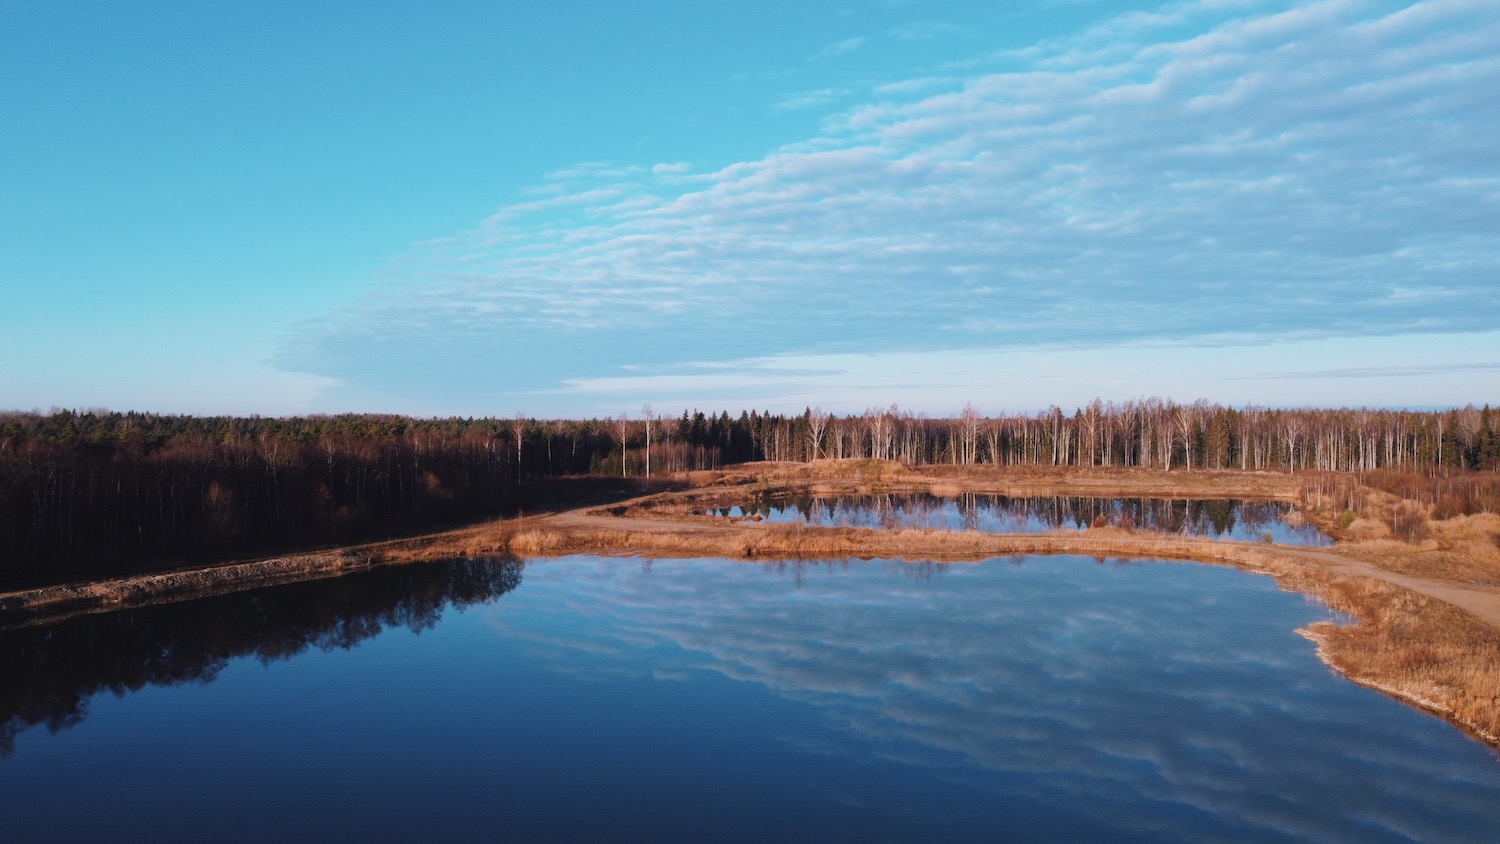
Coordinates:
<point>827,478</point>
<point>1404,535</point>
<point>1415,648</point>
<point>1103,481</point>
<point>714,537</point>
<point>1467,557</point>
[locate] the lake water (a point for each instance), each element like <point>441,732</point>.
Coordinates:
<point>1051,698</point>
<point>1245,521</point>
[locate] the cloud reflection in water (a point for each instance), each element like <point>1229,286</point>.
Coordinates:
<point>1173,699</point>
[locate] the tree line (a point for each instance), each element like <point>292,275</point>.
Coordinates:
<point>1151,433</point>
<point>1154,433</point>
<point>96,493</point>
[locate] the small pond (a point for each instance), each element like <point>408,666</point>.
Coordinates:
<point>1245,521</point>
<point>1037,698</point>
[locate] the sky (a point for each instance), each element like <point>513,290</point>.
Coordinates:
<point>577,208</point>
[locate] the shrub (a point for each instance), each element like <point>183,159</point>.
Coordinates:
<point>1409,522</point>
<point>1450,506</point>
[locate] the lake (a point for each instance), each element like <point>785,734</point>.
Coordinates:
<point>690,700</point>
<point>1245,521</point>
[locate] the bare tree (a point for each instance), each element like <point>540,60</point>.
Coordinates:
<point>969,430</point>
<point>1249,421</point>
<point>1089,435</point>
<point>518,432</point>
<point>836,434</point>
<point>1160,415</point>
<point>646,410</point>
<point>992,431</point>
<point>622,430</point>
<point>1291,432</point>
<point>1054,420</point>
<point>1187,418</point>
<point>878,423</point>
<point>817,421</point>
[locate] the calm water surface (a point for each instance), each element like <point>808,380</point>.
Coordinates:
<point>1245,521</point>
<point>1038,698</point>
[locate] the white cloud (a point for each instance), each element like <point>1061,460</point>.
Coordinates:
<point>839,48</point>
<point>1265,169</point>
<point>924,30</point>
<point>1429,370</point>
<point>675,168</point>
<point>809,99</point>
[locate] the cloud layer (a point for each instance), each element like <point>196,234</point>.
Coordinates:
<point>1213,171</point>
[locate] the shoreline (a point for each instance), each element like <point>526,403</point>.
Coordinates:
<point>1315,633</point>
<point>1431,644</point>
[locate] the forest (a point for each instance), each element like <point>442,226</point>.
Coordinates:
<point>98,493</point>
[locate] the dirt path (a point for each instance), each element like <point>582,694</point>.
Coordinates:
<point>1481,602</point>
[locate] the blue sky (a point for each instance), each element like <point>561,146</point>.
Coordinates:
<point>576,208</point>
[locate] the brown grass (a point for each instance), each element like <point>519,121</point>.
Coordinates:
<point>1475,563</point>
<point>1415,648</point>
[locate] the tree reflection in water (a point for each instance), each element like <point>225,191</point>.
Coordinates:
<point>1218,518</point>
<point>51,671</point>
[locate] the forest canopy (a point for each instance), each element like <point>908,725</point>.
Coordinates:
<point>98,493</point>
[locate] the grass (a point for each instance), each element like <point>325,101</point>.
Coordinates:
<point>1410,524</point>
<point>1416,648</point>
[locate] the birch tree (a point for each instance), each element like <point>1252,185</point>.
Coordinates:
<point>518,433</point>
<point>646,411</point>
<point>622,431</point>
<point>968,423</point>
<point>817,422</point>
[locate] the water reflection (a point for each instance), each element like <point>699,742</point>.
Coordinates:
<point>1167,700</point>
<point>51,671</point>
<point>1241,520</point>
<point>608,699</point>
